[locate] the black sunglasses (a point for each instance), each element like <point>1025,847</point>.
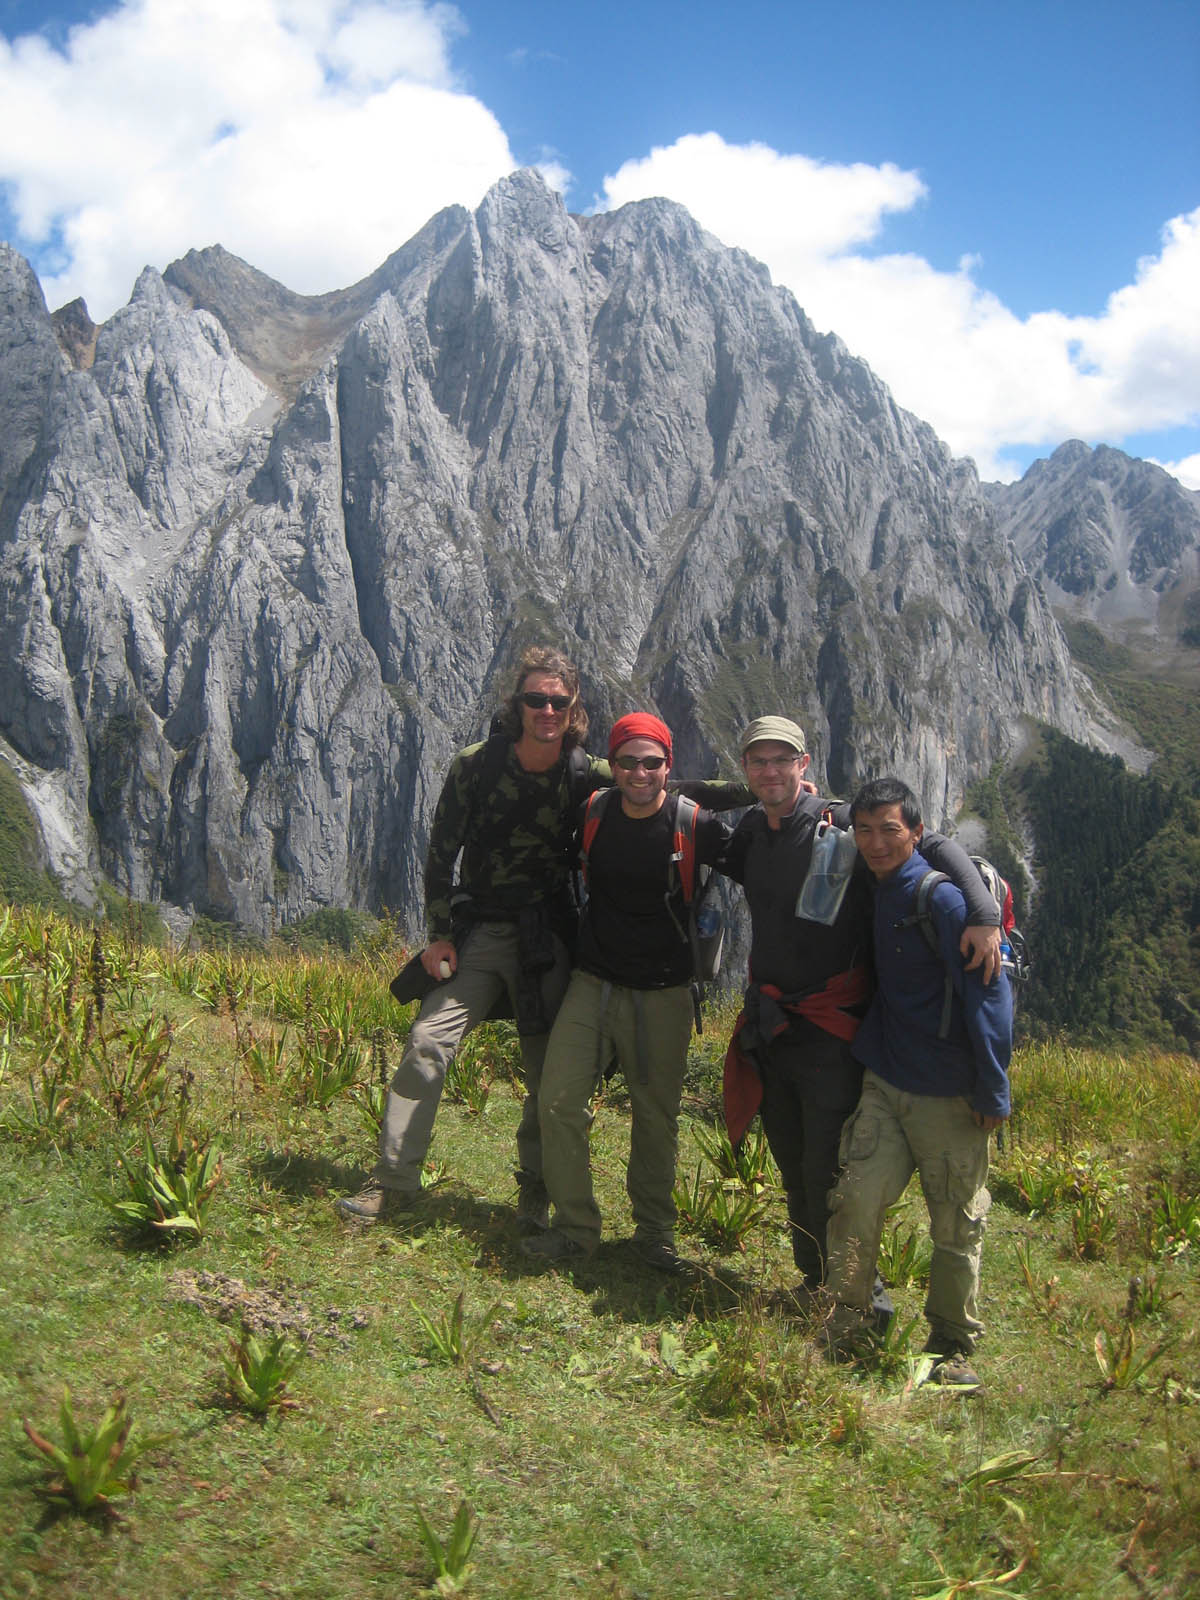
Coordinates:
<point>539,702</point>
<point>632,763</point>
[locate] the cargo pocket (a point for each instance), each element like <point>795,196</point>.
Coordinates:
<point>958,1201</point>
<point>860,1137</point>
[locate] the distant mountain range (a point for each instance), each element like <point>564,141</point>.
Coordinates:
<point>1111,539</point>
<point>266,559</point>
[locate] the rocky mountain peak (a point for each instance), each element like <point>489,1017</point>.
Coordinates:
<point>76,333</point>
<point>1113,539</point>
<point>267,562</point>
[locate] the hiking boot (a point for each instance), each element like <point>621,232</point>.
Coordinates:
<point>846,1335</point>
<point>952,1369</point>
<point>805,1300</point>
<point>375,1200</point>
<point>661,1255</point>
<point>553,1245</point>
<point>533,1204</point>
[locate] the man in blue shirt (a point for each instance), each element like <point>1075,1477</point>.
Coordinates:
<point>935,1085</point>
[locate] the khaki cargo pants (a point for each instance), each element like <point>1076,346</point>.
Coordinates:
<point>487,967</point>
<point>889,1137</point>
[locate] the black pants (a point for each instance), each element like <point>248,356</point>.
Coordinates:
<point>811,1084</point>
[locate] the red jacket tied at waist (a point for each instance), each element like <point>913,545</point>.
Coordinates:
<point>765,1015</point>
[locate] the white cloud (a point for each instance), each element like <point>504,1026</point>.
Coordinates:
<point>1187,470</point>
<point>311,137</point>
<point>950,351</point>
<point>816,210</point>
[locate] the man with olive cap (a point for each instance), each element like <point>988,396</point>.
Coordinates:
<point>811,976</point>
<point>629,1002</point>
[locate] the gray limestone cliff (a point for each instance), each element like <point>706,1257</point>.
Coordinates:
<point>1113,540</point>
<point>266,559</point>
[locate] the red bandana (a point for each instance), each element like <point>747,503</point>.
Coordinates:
<point>639,725</point>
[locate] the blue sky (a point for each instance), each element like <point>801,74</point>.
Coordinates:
<point>998,206</point>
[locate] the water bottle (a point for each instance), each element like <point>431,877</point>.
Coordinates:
<point>828,877</point>
<point>706,934</point>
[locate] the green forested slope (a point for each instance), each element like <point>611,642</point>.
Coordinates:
<point>1116,925</point>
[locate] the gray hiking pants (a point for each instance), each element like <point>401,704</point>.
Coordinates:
<point>487,967</point>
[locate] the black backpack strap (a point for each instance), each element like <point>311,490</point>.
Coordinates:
<point>492,762</point>
<point>579,777</point>
<point>922,917</point>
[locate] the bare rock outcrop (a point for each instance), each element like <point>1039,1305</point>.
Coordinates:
<point>265,562</point>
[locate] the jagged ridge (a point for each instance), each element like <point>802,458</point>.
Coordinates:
<point>265,560</point>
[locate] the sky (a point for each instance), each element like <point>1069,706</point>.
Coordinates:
<point>997,205</point>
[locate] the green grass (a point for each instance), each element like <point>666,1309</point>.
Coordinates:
<point>615,1433</point>
<point>1161,709</point>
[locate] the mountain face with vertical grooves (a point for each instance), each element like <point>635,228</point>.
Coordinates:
<point>1114,540</point>
<point>266,559</point>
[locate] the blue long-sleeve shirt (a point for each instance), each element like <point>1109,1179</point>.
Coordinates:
<point>898,1038</point>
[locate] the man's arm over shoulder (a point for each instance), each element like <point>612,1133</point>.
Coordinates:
<point>598,775</point>
<point>451,819</point>
<point>981,936</point>
<point>731,862</point>
<point>987,1009</point>
<point>713,835</point>
<point>714,794</point>
<point>948,857</point>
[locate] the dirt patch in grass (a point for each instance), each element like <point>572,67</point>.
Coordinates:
<point>265,1309</point>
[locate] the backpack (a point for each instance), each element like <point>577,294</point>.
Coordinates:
<point>1014,954</point>
<point>705,931</point>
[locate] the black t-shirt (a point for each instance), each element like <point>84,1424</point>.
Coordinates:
<point>628,935</point>
<point>771,864</point>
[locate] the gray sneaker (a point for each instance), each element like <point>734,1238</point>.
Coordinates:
<point>952,1370</point>
<point>374,1200</point>
<point>554,1246</point>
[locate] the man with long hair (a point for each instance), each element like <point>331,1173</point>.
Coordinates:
<point>501,931</point>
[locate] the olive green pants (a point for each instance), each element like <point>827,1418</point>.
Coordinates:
<point>646,1031</point>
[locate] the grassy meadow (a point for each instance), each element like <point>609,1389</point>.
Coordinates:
<point>320,1401</point>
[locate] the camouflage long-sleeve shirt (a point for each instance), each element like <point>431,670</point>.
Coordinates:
<point>518,840</point>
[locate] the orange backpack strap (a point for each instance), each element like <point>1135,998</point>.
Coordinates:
<point>596,806</point>
<point>683,852</point>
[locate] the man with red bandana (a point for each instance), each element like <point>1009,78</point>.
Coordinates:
<point>629,1002</point>
<point>500,917</point>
